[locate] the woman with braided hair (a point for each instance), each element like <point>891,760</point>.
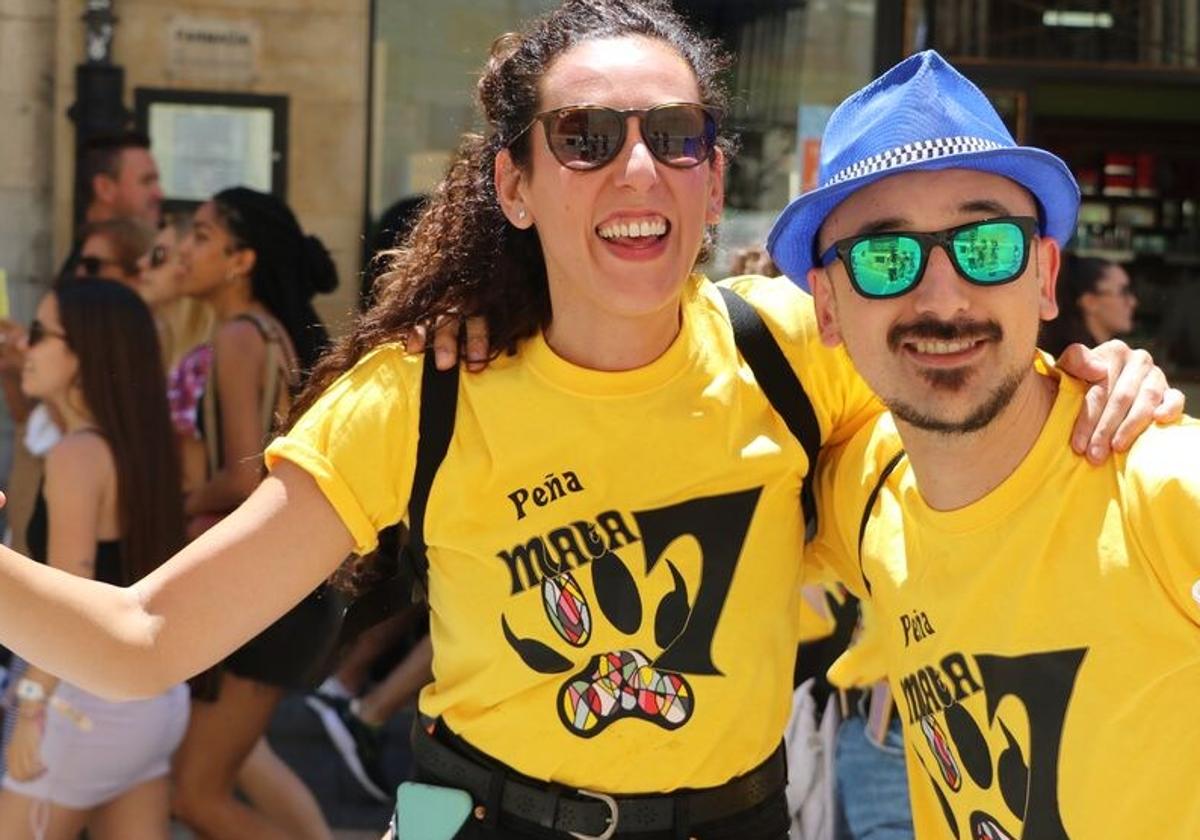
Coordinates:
<point>247,258</point>
<point>613,535</point>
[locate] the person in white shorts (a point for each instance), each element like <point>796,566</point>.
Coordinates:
<point>109,509</point>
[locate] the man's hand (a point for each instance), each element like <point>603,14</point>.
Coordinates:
<point>446,343</point>
<point>1128,393</point>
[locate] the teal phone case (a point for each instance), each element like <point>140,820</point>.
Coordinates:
<point>429,812</point>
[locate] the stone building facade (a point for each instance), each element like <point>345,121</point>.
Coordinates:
<point>27,51</point>
<point>314,52</point>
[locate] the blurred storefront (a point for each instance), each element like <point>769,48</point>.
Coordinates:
<point>200,76</point>
<point>1112,87</point>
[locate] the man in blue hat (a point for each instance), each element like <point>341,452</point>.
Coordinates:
<point>1041,615</point>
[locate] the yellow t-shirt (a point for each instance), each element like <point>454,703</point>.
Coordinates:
<point>864,662</point>
<point>1043,643</point>
<point>614,557</point>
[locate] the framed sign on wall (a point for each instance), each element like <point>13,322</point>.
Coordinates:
<point>205,141</point>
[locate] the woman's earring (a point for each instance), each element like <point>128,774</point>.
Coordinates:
<point>521,214</point>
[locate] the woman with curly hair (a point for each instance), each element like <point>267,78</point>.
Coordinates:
<point>613,534</point>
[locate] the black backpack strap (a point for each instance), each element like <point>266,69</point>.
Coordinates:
<point>405,582</point>
<point>870,506</point>
<point>781,386</point>
<point>439,406</point>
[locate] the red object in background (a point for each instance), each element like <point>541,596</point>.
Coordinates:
<point>811,164</point>
<point>1118,174</point>
<point>1144,182</point>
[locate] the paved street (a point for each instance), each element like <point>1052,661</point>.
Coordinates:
<point>300,741</point>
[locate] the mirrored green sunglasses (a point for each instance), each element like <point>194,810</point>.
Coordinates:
<point>986,253</point>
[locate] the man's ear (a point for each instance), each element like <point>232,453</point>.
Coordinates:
<point>716,189</point>
<point>1049,261</point>
<point>510,190</point>
<point>104,188</point>
<point>826,306</point>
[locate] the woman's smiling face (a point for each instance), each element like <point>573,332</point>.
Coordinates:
<point>622,238</point>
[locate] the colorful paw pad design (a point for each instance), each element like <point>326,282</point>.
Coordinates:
<point>940,748</point>
<point>567,609</point>
<point>623,684</point>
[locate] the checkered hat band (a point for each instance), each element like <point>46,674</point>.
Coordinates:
<point>913,153</point>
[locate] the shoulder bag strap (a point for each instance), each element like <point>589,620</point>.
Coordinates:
<point>409,583</point>
<point>270,392</point>
<point>271,379</point>
<point>439,406</point>
<point>781,387</point>
<point>272,368</point>
<point>212,417</point>
<point>870,506</point>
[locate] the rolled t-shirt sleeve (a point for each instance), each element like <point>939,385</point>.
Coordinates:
<point>358,442</point>
<point>832,554</point>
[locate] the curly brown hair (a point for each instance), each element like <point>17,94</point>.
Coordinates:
<point>463,257</point>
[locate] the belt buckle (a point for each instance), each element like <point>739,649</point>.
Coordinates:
<point>612,819</point>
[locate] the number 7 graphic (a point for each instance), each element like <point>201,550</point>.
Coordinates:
<point>719,524</point>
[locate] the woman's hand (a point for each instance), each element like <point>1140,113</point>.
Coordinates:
<point>24,753</point>
<point>1128,393</point>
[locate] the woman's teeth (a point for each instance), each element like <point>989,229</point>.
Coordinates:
<point>633,230</point>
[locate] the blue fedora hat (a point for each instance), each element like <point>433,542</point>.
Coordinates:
<point>920,115</point>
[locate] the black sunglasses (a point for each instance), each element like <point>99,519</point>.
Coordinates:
<point>39,331</point>
<point>678,134</point>
<point>884,265</point>
<point>93,265</point>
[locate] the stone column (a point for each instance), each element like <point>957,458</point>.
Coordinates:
<point>27,53</point>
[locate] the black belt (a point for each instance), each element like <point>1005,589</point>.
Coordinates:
<point>596,816</point>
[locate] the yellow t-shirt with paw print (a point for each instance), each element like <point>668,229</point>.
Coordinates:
<point>615,558</point>
<point>1042,643</point>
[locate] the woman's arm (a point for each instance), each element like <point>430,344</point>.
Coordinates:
<point>239,353</point>
<point>203,603</point>
<point>78,469</point>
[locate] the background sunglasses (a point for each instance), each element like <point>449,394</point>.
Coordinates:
<point>986,253</point>
<point>158,256</point>
<point>679,134</point>
<point>94,265</point>
<point>38,332</point>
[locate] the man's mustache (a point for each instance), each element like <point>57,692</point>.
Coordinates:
<point>931,329</point>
